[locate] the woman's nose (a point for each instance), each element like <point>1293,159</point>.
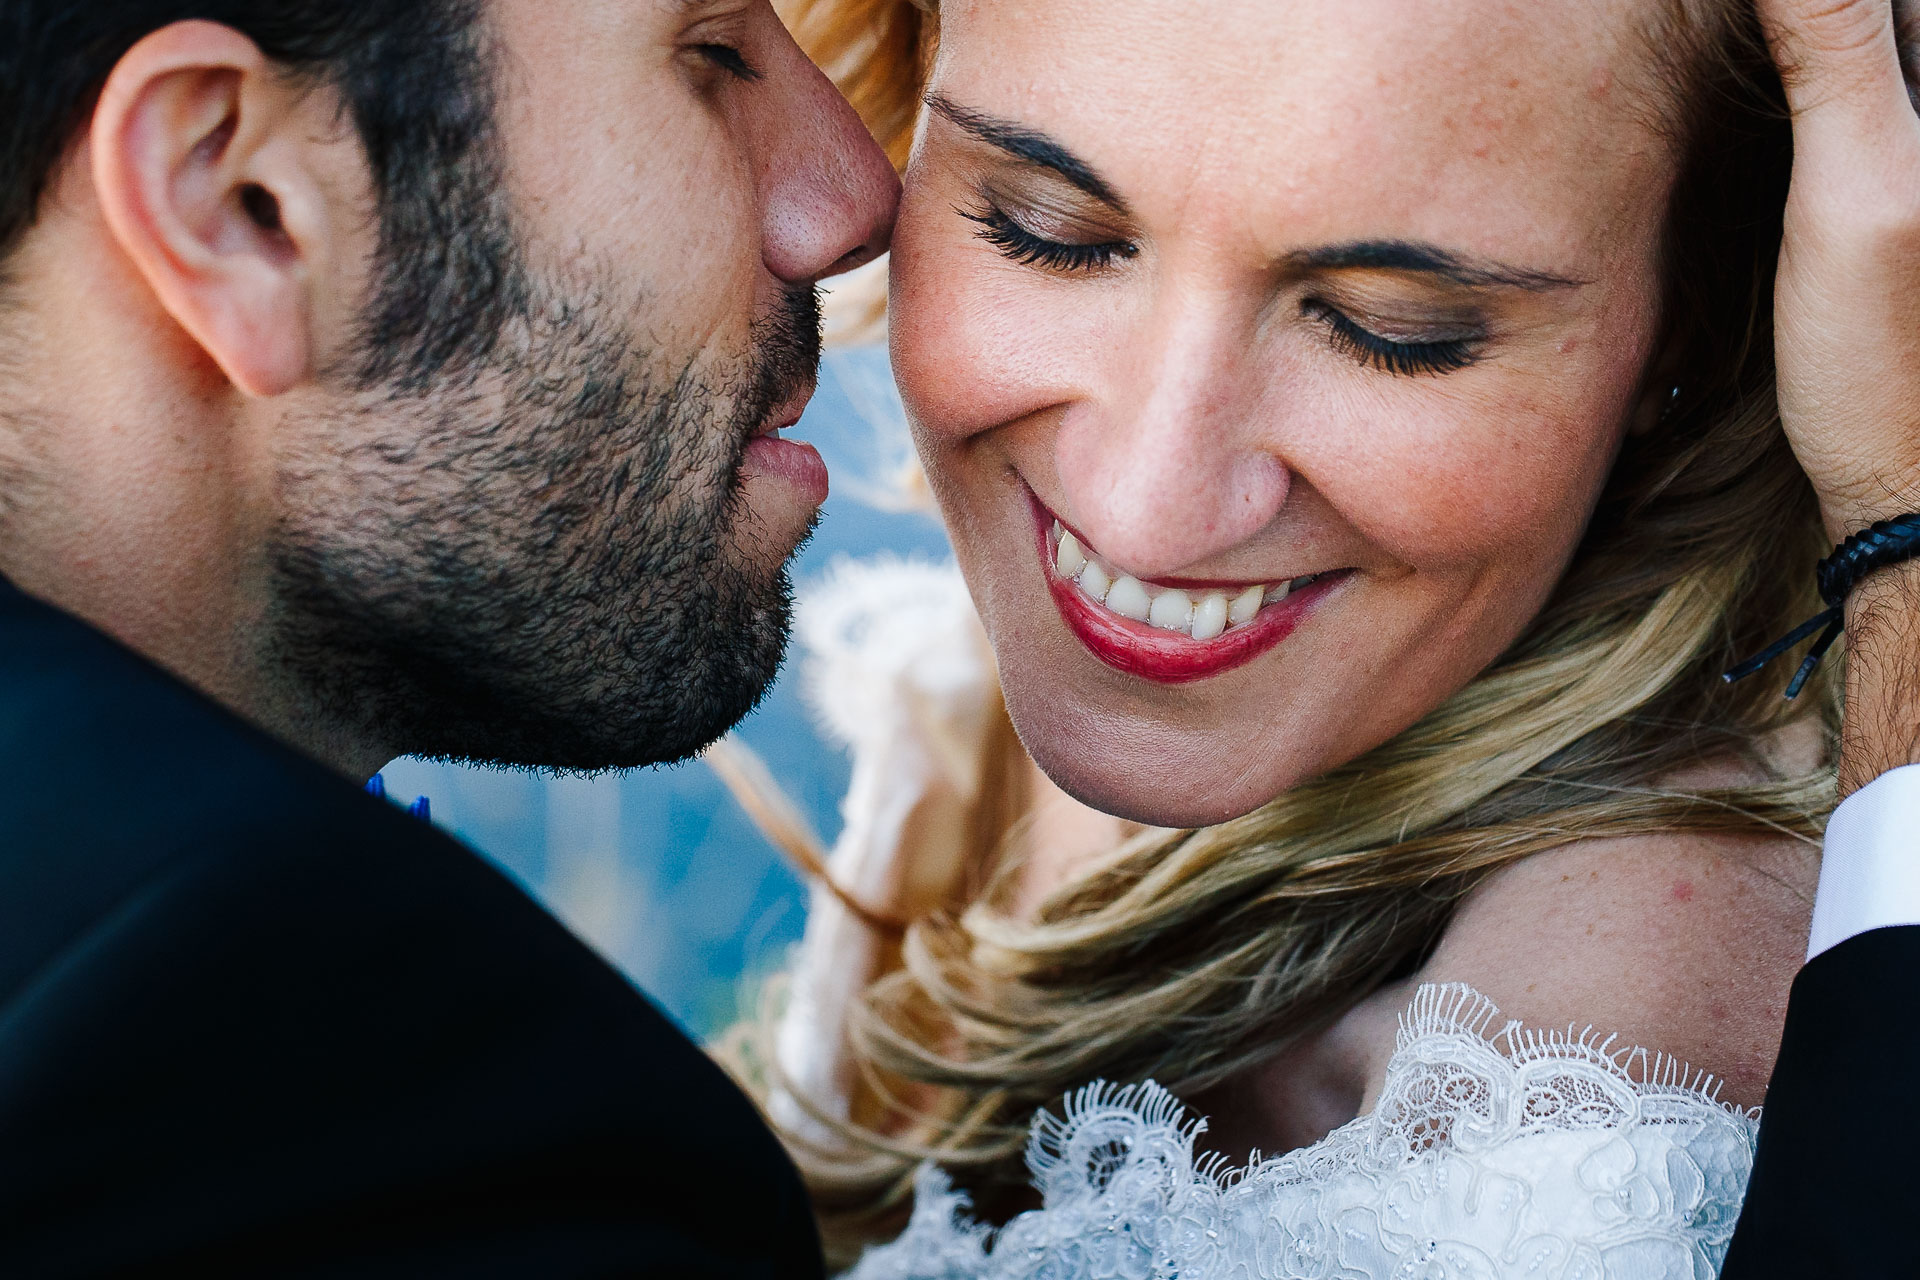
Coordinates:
<point>1172,471</point>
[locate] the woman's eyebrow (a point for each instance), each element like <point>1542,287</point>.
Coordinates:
<point>1031,146</point>
<point>1426,259</point>
<point>1035,147</point>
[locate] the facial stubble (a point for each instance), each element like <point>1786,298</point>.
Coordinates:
<point>541,557</point>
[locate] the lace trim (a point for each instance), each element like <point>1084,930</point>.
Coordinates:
<point>1512,1154</point>
<point>1447,1008</point>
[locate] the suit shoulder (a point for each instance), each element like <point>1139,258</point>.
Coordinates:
<point>354,1021</point>
<point>249,1014</point>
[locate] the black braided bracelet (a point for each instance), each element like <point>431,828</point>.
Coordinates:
<point>1885,543</point>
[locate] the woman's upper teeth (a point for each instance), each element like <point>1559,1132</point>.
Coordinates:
<point>1199,614</point>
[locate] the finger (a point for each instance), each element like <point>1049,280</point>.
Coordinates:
<point>1840,61</point>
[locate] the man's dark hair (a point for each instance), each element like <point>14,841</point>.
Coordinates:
<point>411,76</point>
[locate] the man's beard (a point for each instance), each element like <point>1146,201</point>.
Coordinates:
<point>533,553</point>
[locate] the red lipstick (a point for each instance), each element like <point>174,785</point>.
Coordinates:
<point>1167,657</point>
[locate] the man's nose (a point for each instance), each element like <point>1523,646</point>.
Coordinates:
<point>1177,467</point>
<point>828,191</point>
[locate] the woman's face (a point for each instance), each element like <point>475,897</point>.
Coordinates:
<point>1314,327</point>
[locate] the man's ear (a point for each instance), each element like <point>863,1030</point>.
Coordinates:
<point>199,157</point>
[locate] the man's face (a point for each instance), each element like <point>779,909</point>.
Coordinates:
<point>534,513</point>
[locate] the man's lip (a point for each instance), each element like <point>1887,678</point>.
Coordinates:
<point>787,412</point>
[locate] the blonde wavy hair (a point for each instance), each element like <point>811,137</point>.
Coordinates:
<point>1190,956</point>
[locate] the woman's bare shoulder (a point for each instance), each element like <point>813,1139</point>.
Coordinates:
<point>1686,944</point>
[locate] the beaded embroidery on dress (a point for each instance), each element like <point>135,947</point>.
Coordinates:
<point>1489,1157</point>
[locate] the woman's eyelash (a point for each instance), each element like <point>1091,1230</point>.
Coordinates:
<point>729,60</point>
<point>1023,246</point>
<point>1388,356</point>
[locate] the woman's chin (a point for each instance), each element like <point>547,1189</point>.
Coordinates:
<point>1132,771</point>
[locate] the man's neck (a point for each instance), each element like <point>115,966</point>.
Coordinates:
<point>137,483</point>
<point>199,616</point>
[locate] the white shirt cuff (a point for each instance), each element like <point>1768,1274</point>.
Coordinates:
<point>1870,871</point>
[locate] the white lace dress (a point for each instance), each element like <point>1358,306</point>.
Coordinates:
<point>1504,1155</point>
<point>1494,1152</point>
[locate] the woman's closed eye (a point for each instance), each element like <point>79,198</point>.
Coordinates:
<point>1406,356</point>
<point>1436,355</point>
<point>1028,247</point>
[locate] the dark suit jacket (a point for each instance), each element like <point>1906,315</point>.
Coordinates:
<point>1835,1190</point>
<point>254,1022</point>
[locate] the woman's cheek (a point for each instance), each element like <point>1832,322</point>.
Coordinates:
<point>977,342</point>
<point>1483,487</point>
<point>937,354</point>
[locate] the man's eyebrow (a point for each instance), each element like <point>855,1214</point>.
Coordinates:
<point>1426,259</point>
<point>1031,146</point>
